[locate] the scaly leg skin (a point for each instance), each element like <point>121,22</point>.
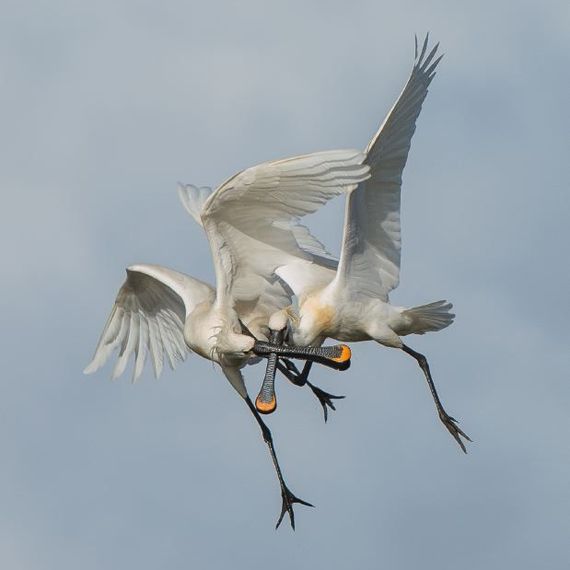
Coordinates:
<point>291,372</point>
<point>287,496</point>
<point>449,422</point>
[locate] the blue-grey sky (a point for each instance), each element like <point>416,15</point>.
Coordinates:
<point>105,106</point>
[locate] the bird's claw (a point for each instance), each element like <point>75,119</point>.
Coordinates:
<point>325,399</point>
<point>457,433</point>
<point>287,507</point>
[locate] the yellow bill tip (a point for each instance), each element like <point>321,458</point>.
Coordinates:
<point>345,354</point>
<point>266,407</point>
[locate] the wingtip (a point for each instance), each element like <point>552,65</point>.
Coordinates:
<point>93,366</point>
<point>425,45</point>
<point>182,191</point>
<point>119,367</point>
<point>419,55</point>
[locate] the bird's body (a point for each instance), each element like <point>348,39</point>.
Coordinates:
<point>334,313</point>
<point>159,310</point>
<point>215,333</point>
<point>251,224</point>
<point>262,256</point>
<point>249,220</point>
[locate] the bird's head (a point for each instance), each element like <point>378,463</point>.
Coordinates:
<point>281,321</point>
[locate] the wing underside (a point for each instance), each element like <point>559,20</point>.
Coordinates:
<point>370,254</point>
<point>148,319</point>
<point>252,219</point>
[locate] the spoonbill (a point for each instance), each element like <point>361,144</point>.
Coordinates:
<point>158,310</point>
<point>353,305</point>
<point>305,249</point>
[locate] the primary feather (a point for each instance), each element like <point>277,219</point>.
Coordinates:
<point>148,317</point>
<point>371,247</point>
<point>251,219</point>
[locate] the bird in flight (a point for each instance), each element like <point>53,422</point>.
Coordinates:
<point>349,301</point>
<point>248,221</point>
<point>263,257</point>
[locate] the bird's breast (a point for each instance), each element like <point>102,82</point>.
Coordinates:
<point>316,320</point>
<point>201,332</point>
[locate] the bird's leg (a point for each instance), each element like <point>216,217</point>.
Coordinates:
<point>449,422</point>
<point>287,496</point>
<point>292,373</point>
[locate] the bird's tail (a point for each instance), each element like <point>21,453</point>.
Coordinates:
<point>431,317</point>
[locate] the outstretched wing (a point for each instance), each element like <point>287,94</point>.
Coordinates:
<point>254,311</point>
<point>251,219</point>
<point>370,256</point>
<point>148,317</point>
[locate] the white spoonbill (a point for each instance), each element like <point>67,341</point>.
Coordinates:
<point>353,304</point>
<point>158,310</point>
<point>269,294</point>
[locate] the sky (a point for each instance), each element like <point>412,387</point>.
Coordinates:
<point>105,107</point>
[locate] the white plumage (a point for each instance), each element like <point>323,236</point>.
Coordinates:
<point>162,311</point>
<point>251,221</point>
<point>352,304</point>
<point>262,256</point>
<point>148,318</point>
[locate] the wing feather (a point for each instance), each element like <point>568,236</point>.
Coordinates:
<point>130,340</point>
<point>155,344</point>
<point>167,342</point>
<point>370,255</point>
<point>141,348</point>
<point>250,218</point>
<point>148,316</point>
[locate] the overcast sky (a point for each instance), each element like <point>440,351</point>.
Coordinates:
<point>105,106</point>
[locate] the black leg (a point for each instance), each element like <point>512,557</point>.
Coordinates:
<point>291,372</point>
<point>449,422</point>
<point>288,498</point>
